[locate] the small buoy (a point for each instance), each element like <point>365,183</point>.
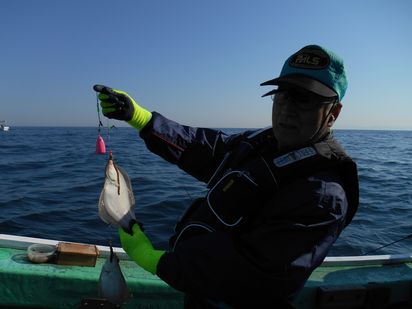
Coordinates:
<point>100,146</point>
<point>39,253</point>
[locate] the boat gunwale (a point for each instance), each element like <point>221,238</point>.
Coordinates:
<point>23,242</point>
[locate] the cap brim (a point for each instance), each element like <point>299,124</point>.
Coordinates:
<point>301,81</point>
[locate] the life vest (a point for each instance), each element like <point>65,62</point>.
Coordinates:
<point>252,173</point>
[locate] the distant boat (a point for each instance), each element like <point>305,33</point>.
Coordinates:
<point>4,126</point>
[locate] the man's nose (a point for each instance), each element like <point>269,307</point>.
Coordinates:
<point>289,107</point>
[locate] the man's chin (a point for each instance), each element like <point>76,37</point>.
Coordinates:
<point>286,143</point>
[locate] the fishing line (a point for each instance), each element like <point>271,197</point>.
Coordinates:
<point>109,127</point>
<point>108,136</point>
<point>384,246</point>
<point>111,250</point>
<point>98,113</point>
<point>100,145</point>
<point>187,193</point>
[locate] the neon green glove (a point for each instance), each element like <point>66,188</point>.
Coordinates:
<point>119,105</point>
<point>139,248</point>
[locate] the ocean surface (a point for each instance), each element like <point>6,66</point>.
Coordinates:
<point>51,180</point>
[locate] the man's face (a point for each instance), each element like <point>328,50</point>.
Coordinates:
<point>297,116</point>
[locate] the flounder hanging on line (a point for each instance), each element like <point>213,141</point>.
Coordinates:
<point>112,285</point>
<point>116,203</point>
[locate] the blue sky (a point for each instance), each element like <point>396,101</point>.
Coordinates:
<point>198,62</point>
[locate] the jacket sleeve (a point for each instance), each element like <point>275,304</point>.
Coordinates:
<point>197,151</point>
<point>270,260</point>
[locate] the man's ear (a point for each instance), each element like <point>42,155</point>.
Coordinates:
<point>334,114</point>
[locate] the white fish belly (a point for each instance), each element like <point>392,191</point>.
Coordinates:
<point>116,206</point>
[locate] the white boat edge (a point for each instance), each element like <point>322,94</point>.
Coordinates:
<point>22,242</point>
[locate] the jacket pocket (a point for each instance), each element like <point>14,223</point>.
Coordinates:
<point>232,197</point>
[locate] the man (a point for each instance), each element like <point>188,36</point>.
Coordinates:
<point>278,198</point>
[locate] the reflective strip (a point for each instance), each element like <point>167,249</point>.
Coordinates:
<point>209,229</point>
<point>210,206</point>
<point>214,145</point>
<point>168,142</point>
<point>221,165</point>
<point>294,156</point>
<point>270,172</point>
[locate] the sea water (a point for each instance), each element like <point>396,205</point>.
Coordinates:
<point>51,179</point>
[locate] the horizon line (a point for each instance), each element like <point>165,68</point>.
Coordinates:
<point>240,128</point>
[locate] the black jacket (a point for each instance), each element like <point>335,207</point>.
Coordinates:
<point>286,236</point>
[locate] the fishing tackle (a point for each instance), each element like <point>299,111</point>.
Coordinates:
<point>391,243</point>
<point>100,145</point>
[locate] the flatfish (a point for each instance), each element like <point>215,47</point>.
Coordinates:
<point>116,203</point>
<point>112,285</point>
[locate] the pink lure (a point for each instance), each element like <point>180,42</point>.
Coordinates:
<point>100,146</point>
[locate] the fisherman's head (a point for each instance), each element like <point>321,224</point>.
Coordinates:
<point>307,100</point>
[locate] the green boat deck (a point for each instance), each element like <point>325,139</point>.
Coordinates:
<point>367,286</point>
<point>23,283</point>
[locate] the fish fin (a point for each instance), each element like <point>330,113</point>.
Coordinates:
<point>131,196</point>
<point>130,227</point>
<point>103,213</point>
<point>125,176</point>
<point>128,184</point>
<point>140,225</point>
